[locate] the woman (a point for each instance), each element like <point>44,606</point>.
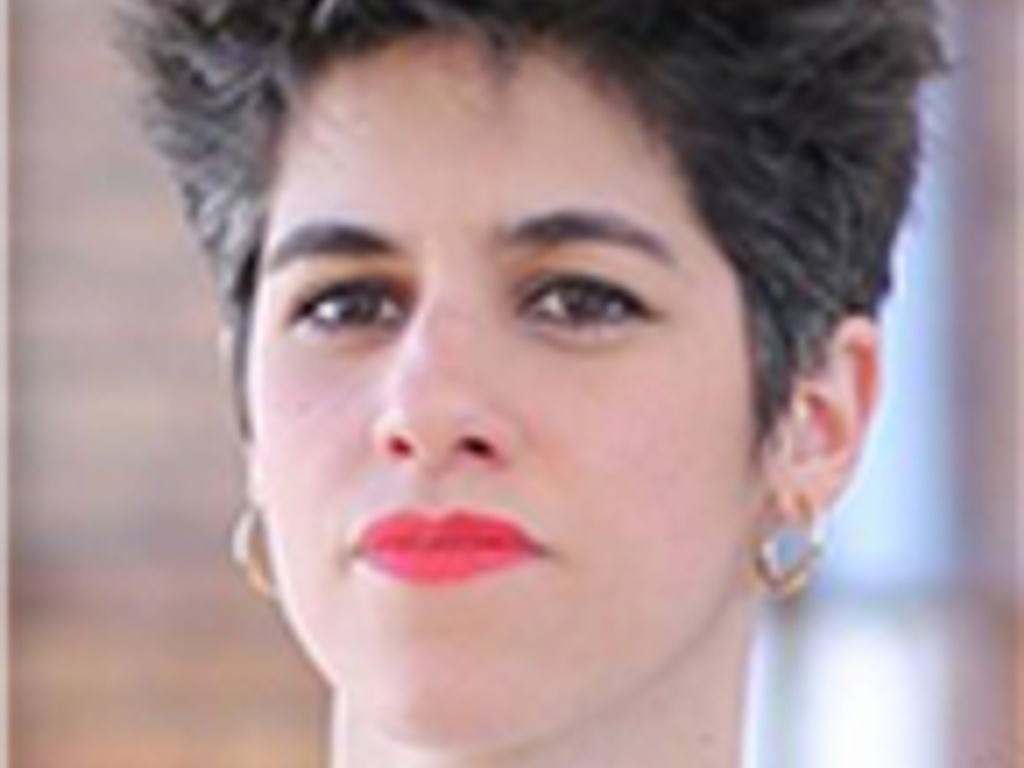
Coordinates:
<point>555,334</point>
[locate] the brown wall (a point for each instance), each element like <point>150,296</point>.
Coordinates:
<point>133,642</point>
<point>989,200</point>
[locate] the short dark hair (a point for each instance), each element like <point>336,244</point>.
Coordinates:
<point>793,123</point>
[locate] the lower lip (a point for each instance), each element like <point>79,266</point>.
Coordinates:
<point>454,549</point>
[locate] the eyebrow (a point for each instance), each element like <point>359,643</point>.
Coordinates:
<point>338,239</point>
<point>562,228</point>
<point>328,239</point>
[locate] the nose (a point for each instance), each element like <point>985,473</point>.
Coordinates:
<point>439,406</point>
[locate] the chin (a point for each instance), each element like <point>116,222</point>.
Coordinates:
<point>451,718</point>
<point>455,707</point>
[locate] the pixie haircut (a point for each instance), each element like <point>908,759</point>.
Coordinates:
<point>792,124</point>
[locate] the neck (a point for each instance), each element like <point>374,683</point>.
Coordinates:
<point>688,716</point>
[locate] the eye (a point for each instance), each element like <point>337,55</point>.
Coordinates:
<point>580,302</point>
<point>351,306</point>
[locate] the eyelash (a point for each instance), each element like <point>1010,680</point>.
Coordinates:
<point>583,292</point>
<point>310,312</point>
<point>584,304</point>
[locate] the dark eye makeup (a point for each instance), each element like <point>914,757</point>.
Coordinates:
<point>352,305</point>
<point>580,301</point>
<point>568,302</point>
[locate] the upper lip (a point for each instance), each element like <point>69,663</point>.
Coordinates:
<point>447,521</point>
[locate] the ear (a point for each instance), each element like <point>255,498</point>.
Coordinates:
<point>820,437</point>
<point>229,353</point>
<point>227,349</point>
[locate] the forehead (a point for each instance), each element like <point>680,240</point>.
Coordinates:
<point>465,76</point>
<point>448,117</point>
<point>453,89</point>
<point>459,76</point>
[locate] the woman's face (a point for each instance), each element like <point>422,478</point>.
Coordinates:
<point>487,291</point>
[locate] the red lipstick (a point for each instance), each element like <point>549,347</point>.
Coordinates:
<point>457,547</point>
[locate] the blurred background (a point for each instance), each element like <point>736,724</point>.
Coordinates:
<point>134,643</point>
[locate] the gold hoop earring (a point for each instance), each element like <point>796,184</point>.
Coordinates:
<point>249,552</point>
<point>785,559</point>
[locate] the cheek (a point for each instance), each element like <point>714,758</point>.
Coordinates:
<point>666,475</point>
<point>308,423</point>
<point>674,483</point>
<point>308,427</point>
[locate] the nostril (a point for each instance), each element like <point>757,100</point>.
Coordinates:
<point>399,446</point>
<point>402,445</point>
<point>478,447</point>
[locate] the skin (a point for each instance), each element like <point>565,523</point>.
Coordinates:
<point>620,436</point>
